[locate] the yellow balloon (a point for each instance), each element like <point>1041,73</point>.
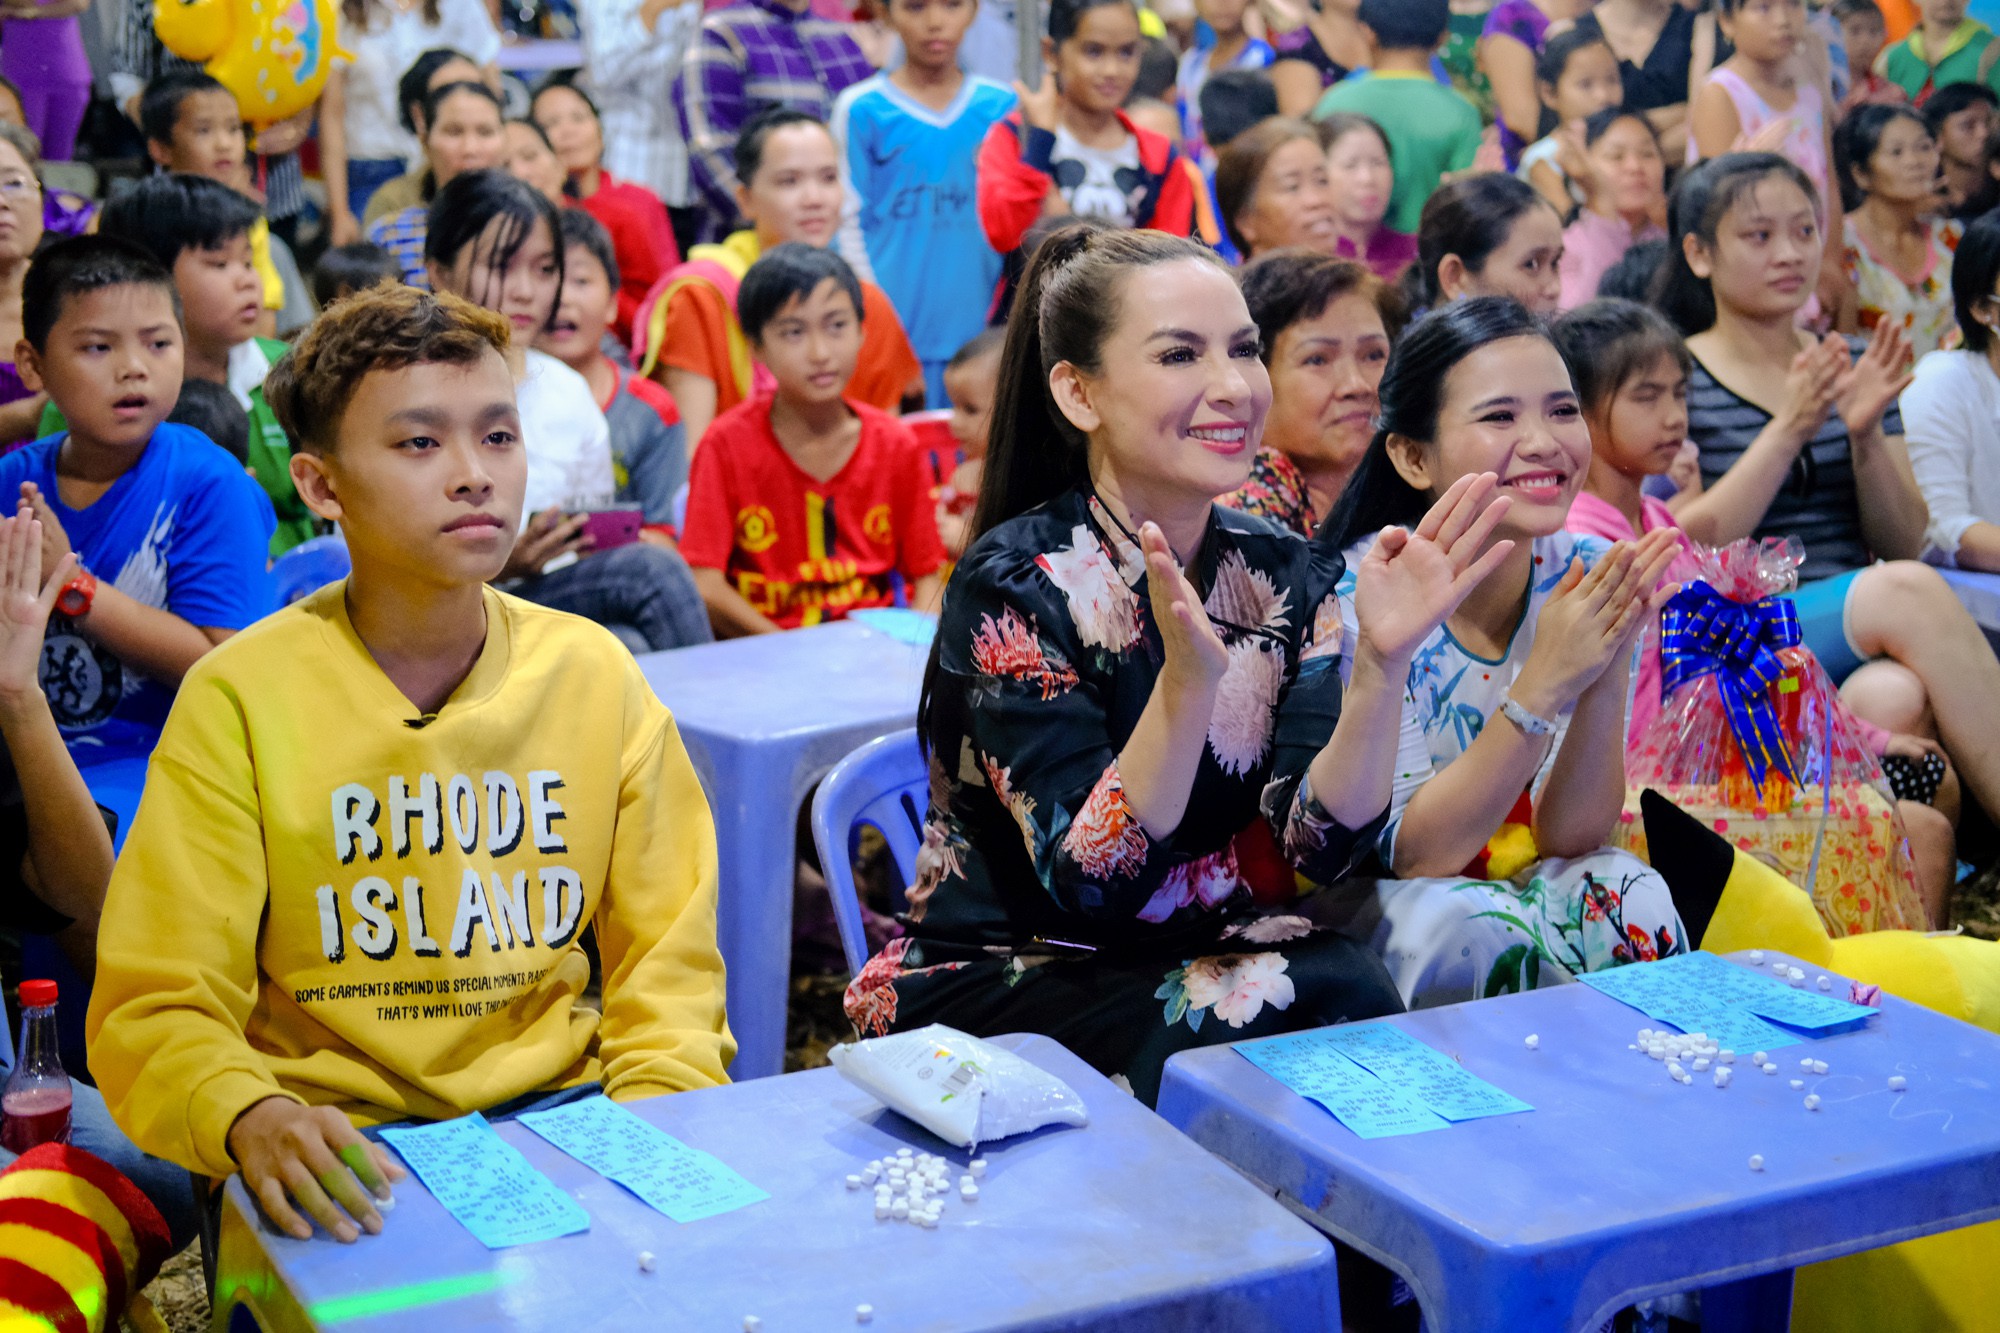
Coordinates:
<point>273,55</point>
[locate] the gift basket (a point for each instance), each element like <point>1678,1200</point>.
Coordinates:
<point>1753,739</point>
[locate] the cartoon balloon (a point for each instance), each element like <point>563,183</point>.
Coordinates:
<point>272,54</point>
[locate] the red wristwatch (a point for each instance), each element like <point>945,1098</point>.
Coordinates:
<point>75,598</point>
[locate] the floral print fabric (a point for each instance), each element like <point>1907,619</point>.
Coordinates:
<point>1924,308</point>
<point>1034,865</point>
<point>1457,938</point>
<point>1276,490</point>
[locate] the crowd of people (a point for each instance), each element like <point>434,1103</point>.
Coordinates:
<point>1296,418</point>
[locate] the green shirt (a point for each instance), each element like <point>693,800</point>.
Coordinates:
<point>1964,60</point>
<point>270,457</point>
<point>1431,129</point>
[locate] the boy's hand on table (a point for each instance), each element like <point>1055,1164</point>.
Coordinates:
<point>310,1159</point>
<point>55,542</point>
<point>25,607</point>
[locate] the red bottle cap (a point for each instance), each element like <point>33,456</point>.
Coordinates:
<point>36,994</point>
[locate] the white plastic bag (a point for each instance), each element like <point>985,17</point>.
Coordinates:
<point>962,1089</point>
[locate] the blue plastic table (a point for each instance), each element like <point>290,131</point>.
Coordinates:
<point>764,718</point>
<point>1621,1184</point>
<point>1119,1225</point>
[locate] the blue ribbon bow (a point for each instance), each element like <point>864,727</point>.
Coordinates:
<point>1701,631</point>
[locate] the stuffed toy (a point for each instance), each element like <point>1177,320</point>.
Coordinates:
<point>77,1242</point>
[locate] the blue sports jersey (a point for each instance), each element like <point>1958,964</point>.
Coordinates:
<point>911,213</point>
<point>186,530</point>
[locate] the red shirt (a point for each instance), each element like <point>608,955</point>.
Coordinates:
<point>803,551</point>
<point>642,239</point>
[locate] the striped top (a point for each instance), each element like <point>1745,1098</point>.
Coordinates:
<point>1818,503</point>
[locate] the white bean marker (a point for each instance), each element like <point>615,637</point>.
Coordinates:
<point>1798,1085</point>
<point>1806,1064</point>
<point>1898,1083</point>
<point>1701,1065</point>
<point>969,1193</point>
<point>385,1204</point>
<point>1726,1056</point>
<point>1771,1066</point>
<point>645,1261</point>
<point>978,1166</point>
<point>1534,1040</point>
<point>1757,957</point>
<point>1756,1161</point>
<point>1759,1058</point>
<point>751,1323</point>
<point>904,1154</point>
<point>1826,983</point>
<point>854,1182</point>
<point>1812,1101</point>
<point>864,1313</point>
<point>1673,1069</point>
<point>1722,1076</point>
<point>1819,1066</point>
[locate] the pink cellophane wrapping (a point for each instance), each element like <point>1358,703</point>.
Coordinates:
<point>1690,755</point>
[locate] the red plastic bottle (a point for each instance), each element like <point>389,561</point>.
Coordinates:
<point>35,1107</point>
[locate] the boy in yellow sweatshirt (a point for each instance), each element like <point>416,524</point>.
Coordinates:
<point>378,821</point>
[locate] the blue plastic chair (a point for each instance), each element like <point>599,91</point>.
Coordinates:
<point>883,785</point>
<point>309,566</point>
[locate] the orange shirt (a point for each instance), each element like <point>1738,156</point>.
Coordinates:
<point>697,341</point>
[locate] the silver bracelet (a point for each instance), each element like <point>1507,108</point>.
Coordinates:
<point>1532,724</point>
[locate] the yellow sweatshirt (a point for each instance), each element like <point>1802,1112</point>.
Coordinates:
<point>325,896</point>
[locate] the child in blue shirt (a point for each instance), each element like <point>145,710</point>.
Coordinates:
<point>909,147</point>
<point>170,530</point>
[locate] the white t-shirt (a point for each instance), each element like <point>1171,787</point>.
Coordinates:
<point>387,47</point>
<point>1951,422</point>
<point>1099,183</point>
<point>568,442</point>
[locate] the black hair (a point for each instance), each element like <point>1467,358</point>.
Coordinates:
<point>784,272</point>
<point>1856,139</point>
<point>1412,396</point>
<point>1407,24</point>
<point>1953,98</point>
<point>81,264</point>
<point>1240,168</point>
<point>1554,59</point>
<point>579,228</point>
<point>1843,9</point>
<point>435,99</point>
<point>352,268</point>
<point>759,128</point>
<point>1234,100</point>
<point>1067,305</point>
<point>1159,67</point>
<point>1631,278</point>
<point>1975,268</point>
<point>1599,123</point>
<point>1286,287</point>
<point>1606,342</point>
<point>1470,217</point>
<point>566,80</point>
<point>165,215</point>
<point>160,103</point>
<point>213,410</point>
<point>469,203</point>
<point>986,342</point>
<point>1065,15</point>
<point>414,88</point>
<point>529,123</point>
<point>1701,199</point>
<point>1337,125</point>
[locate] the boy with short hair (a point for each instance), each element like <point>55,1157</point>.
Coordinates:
<point>649,453</point>
<point>804,503</point>
<point>1435,130</point>
<point>302,907</point>
<point>972,381</point>
<point>1962,118</point>
<point>170,532</point>
<point>686,332</point>
<point>1944,48</point>
<point>199,230</point>
<point>1863,34</point>
<point>355,267</point>
<point>909,148</point>
<point>193,125</point>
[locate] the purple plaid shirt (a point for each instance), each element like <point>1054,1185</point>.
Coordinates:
<point>753,55</point>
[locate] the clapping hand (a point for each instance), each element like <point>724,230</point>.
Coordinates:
<point>1410,581</point>
<point>26,599</point>
<point>1866,388</point>
<point>1591,618</point>
<point>1195,655</point>
<point>1042,107</point>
